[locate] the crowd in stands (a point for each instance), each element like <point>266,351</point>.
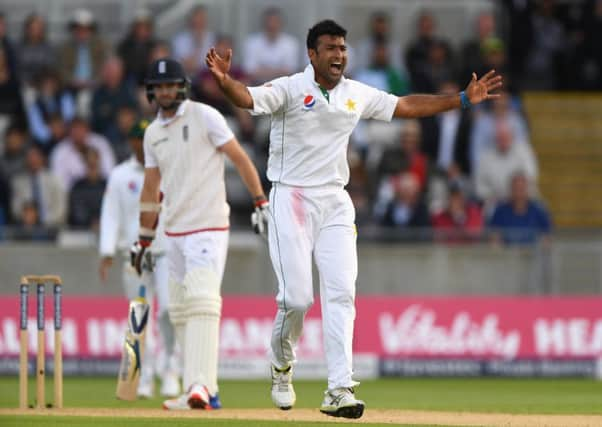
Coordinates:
<point>65,112</point>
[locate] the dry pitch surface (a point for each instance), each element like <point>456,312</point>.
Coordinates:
<point>383,416</point>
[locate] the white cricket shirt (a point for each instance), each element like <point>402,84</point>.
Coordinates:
<point>310,133</point>
<point>185,149</point>
<point>120,213</point>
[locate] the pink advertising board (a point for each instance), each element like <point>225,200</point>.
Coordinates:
<point>389,327</point>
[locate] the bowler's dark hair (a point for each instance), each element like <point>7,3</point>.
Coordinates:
<point>328,27</point>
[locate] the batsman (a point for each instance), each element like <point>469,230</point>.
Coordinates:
<point>184,152</point>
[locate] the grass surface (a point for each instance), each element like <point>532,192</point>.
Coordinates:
<point>517,396</point>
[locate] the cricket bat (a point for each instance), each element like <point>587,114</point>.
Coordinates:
<point>133,347</point>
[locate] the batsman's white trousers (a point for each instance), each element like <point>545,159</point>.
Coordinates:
<point>203,249</point>
<point>318,221</point>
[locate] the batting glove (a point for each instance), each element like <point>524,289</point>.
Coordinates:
<point>259,218</point>
<point>137,252</point>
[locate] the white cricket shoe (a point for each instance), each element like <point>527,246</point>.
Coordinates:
<point>198,397</point>
<point>170,385</point>
<point>341,402</point>
<point>283,393</point>
<point>180,403</point>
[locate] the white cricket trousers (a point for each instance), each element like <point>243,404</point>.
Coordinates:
<point>316,221</point>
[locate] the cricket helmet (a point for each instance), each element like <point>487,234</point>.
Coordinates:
<point>167,70</point>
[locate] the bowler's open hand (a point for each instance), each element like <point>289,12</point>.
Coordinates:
<point>480,90</point>
<point>217,65</point>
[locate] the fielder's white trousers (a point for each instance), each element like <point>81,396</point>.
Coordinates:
<point>316,221</point>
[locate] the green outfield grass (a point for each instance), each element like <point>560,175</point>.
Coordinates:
<point>517,396</point>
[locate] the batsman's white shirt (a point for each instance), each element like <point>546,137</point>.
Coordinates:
<point>312,214</point>
<point>310,134</point>
<point>184,148</point>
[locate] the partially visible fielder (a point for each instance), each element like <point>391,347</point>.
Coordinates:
<point>313,113</point>
<point>118,228</point>
<point>184,151</point>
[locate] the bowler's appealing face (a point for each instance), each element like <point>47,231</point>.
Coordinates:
<point>329,59</point>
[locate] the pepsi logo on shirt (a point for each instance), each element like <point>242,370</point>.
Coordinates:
<point>308,102</point>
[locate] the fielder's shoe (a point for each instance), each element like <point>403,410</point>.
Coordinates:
<point>145,388</point>
<point>283,394</point>
<point>214,402</point>
<point>170,385</point>
<point>198,397</point>
<point>180,403</point>
<point>341,402</point>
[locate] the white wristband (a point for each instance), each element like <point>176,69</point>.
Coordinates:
<point>147,232</point>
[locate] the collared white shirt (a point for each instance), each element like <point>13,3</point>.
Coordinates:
<point>281,53</point>
<point>185,149</point>
<point>186,44</point>
<point>69,164</point>
<point>310,134</point>
<point>120,212</point>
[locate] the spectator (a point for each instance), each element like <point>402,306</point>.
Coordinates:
<point>41,188</point>
<point>461,221</point>
<point>428,58</point>
<point>543,63</point>
<point>68,158</point>
<point>381,74</point>
<point>113,93</point>
<point>16,142</point>
<point>28,225</point>
<point>51,100</point>
<point>371,138</point>
<point>446,136</point>
<point>406,157</point>
<point>205,89</point>
<point>499,164</point>
<point>83,54</point>
<point>58,131</point>
<point>191,46</point>
<point>85,198</point>
<point>440,181</point>
<point>380,34</point>
<point>520,220</point>
<point>472,50</point>
<point>7,46</point>
<point>11,98</point>
<point>161,49</point>
<point>482,135</point>
<point>135,49</point>
<point>35,53</point>
<point>407,208</point>
<point>270,53</point>
<point>493,53</point>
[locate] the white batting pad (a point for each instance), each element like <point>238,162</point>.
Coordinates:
<point>201,333</point>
